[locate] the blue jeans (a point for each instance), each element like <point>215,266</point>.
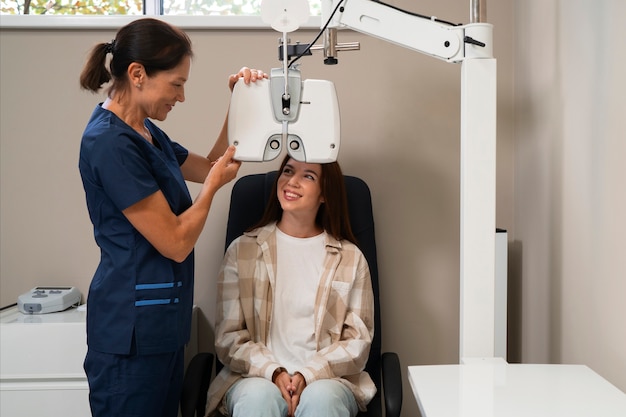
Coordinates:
<point>259,397</point>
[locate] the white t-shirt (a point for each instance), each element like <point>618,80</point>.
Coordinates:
<point>299,269</point>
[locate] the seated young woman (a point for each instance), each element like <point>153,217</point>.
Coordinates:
<point>295,310</point>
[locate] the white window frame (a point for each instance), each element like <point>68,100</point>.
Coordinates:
<point>63,22</point>
<point>152,9</point>
<point>115,22</point>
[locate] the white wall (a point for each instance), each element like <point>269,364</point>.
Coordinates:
<point>570,197</point>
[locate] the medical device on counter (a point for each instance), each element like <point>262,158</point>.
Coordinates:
<point>42,300</point>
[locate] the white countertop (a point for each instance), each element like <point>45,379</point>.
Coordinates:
<point>42,346</point>
<point>492,388</point>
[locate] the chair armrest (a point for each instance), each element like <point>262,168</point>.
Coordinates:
<point>196,385</point>
<point>392,384</point>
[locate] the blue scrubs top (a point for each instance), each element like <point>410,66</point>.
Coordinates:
<point>136,292</point>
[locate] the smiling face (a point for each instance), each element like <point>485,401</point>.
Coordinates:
<point>164,89</point>
<point>299,189</point>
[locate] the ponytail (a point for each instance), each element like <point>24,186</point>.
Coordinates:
<point>95,74</point>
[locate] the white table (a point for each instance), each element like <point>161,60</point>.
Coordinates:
<point>498,389</point>
<point>41,364</point>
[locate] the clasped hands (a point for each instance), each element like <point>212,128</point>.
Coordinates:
<point>290,387</point>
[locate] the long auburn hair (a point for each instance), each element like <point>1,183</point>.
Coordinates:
<point>332,215</point>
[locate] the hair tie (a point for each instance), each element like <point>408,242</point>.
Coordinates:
<point>108,48</point>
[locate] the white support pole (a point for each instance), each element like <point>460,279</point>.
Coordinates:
<point>478,164</point>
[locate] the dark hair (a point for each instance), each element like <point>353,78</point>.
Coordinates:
<point>156,45</point>
<point>332,215</point>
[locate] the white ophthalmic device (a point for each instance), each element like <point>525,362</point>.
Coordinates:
<point>305,116</point>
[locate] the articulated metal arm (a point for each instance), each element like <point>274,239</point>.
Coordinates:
<point>430,36</point>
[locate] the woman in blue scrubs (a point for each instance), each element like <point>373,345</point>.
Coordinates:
<point>145,221</point>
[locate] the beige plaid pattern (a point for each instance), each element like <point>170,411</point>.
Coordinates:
<point>344,316</point>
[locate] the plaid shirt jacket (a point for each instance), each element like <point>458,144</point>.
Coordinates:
<point>344,316</point>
